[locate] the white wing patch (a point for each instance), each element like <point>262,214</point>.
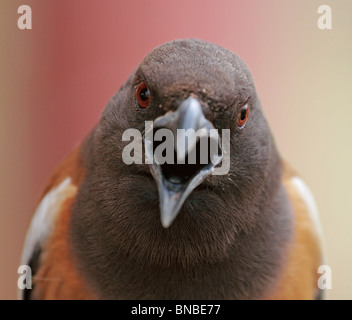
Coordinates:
<point>308,198</point>
<point>43,220</point>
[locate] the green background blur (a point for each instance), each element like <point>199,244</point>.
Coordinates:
<point>56,78</point>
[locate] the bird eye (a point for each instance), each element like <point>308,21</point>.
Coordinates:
<point>243,116</point>
<point>143,95</point>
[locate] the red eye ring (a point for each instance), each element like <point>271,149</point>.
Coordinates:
<point>243,116</point>
<point>143,95</point>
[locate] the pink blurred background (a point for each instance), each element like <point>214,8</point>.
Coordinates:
<point>56,78</point>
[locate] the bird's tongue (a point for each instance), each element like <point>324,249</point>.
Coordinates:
<point>185,168</point>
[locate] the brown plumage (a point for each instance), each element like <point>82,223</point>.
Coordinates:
<point>248,234</point>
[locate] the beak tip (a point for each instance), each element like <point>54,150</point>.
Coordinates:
<point>165,226</point>
<point>168,213</point>
<point>166,222</point>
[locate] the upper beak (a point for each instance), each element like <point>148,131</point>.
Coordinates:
<point>175,181</point>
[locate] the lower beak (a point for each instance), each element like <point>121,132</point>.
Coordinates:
<point>176,181</point>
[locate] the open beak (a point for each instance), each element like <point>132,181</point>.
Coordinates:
<point>193,162</point>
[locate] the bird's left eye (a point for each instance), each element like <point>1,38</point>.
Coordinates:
<point>143,95</point>
<point>243,116</point>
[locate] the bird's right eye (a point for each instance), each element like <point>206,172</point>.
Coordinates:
<point>143,95</point>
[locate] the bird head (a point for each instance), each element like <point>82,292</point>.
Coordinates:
<point>192,85</point>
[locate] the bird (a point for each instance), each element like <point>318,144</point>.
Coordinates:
<point>107,229</point>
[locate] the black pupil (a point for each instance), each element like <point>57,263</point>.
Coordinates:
<point>243,113</point>
<point>144,94</point>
